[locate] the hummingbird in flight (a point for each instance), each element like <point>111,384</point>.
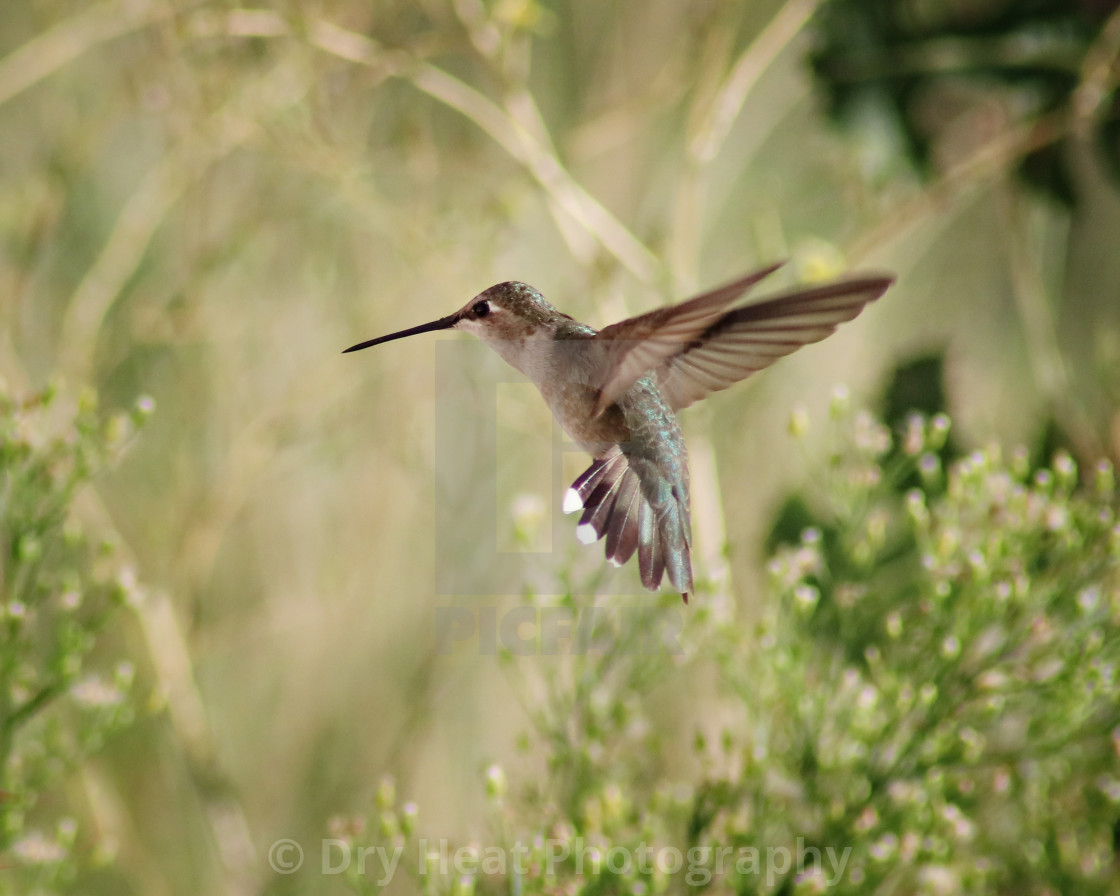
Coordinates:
<point>616,392</point>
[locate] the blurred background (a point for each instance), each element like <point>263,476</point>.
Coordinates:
<point>206,202</point>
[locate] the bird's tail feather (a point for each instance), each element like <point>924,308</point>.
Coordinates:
<point>615,506</point>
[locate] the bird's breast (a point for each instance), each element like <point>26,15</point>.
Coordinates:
<point>573,406</point>
<point>640,421</point>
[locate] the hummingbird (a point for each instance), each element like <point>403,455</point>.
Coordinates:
<point>616,392</point>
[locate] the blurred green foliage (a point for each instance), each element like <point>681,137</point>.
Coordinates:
<point>908,59</point>
<point>929,704</point>
<point>60,586</point>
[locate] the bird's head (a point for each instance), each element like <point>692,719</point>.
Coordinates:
<point>509,312</point>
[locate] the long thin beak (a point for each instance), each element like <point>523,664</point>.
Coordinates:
<point>444,323</point>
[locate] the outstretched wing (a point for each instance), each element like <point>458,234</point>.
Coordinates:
<point>633,347</point>
<point>750,338</point>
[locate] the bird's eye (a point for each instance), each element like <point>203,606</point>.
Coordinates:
<point>481,309</point>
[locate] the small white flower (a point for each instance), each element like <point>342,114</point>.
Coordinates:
<point>35,849</point>
<point>94,693</point>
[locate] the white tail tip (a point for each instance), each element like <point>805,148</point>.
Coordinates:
<point>586,534</point>
<point>572,501</point>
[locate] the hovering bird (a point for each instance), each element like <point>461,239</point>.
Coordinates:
<point>616,392</point>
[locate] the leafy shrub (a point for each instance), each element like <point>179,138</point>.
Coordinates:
<point>928,704</point>
<point>59,588</point>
